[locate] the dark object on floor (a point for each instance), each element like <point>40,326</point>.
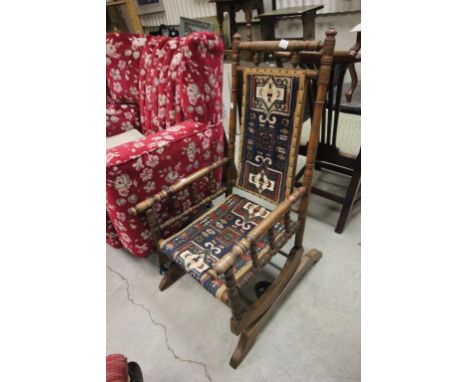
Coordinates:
<point>261,287</point>
<point>134,372</point>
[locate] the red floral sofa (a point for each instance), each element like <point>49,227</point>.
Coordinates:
<point>170,89</point>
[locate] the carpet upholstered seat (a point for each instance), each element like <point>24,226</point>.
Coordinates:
<point>197,247</point>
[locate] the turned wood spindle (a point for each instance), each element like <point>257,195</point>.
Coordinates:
<point>322,84</point>
<point>233,115</point>
<point>258,58</point>
<point>271,237</point>
<point>295,59</point>
<point>287,221</point>
<point>233,294</point>
<point>211,182</point>
<point>254,254</point>
<point>194,196</point>
<point>154,226</point>
<point>176,204</point>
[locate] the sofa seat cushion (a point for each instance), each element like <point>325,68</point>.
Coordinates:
<point>202,243</point>
<point>126,137</point>
<point>121,117</point>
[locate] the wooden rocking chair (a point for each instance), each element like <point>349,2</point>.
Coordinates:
<point>230,243</point>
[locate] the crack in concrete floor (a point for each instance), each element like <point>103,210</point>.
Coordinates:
<point>158,324</point>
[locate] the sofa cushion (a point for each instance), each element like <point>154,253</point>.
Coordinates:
<point>123,53</point>
<point>126,137</point>
<point>121,117</point>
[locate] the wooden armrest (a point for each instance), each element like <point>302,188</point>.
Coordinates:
<point>176,187</point>
<point>242,247</point>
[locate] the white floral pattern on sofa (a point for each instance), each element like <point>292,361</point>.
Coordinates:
<point>169,89</point>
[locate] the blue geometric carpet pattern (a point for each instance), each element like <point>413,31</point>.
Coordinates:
<point>270,131</point>
<point>201,244</point>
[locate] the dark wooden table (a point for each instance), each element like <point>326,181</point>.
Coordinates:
<point>306,13</point>
<point>232,6</point>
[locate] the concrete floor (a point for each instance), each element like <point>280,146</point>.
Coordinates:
<point>183,334</point>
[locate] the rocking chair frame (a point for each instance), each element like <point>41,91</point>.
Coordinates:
<point>248,318</point>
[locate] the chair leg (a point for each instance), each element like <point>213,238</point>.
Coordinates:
<point>246,342</point>
<point>350,196</point>
<point>164,263</point>
<point>249,335</point>
<point>171,276</point>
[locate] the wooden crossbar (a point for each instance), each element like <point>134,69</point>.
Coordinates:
<point>274,46</point>
<point>309,73</point>
<point>176,187</point>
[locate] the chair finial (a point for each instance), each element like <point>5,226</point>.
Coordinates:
<point>331,32</point>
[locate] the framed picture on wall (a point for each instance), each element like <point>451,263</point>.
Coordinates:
<point>191,25</point>
<point>149,6</point>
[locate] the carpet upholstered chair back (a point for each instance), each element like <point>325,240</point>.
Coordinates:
<point>170,91</point>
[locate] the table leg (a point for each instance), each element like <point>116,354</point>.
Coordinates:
<point>308,26</point>
<point>220,17</point>
<point>232,20</point>
<point>248,20</point>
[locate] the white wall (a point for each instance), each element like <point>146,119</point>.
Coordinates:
<point>290,28</point>
<point>173,9</point>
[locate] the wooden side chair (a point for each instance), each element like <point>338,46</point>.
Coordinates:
<point>225,247</point>
<point>329,155</point>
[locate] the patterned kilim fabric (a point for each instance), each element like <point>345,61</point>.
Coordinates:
<point>270,130</point>
<point>197,247</point>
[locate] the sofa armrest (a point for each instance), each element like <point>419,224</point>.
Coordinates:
<point>159,143</point>
<point>140,169</point>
